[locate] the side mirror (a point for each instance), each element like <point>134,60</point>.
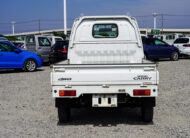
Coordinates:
<point>17,50</point>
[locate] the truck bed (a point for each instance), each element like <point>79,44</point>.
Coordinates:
<point>104,79</point>
<point>104,74</point>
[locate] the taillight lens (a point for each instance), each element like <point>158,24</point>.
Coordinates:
<point>67,93</point>
<point>141,92</point>
<point>62,50</point>
<point>186,45</point>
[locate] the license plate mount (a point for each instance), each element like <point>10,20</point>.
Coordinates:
<point>104,100</point>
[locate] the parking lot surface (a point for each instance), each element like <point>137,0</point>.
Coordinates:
<point>27,108</point>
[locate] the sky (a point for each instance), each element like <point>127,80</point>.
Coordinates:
<point>28,13</point>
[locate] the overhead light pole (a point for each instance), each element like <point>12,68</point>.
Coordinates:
<point>65,16</point>
<point>155,15</point>
<point>13,27</point>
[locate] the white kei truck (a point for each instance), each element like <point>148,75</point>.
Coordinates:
<point>105,68</point>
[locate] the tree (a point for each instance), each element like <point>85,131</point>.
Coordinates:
<point>60,34</point>
<point>10,38</point>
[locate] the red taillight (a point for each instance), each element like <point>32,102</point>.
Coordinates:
<point>62,50</point>
<point>141,92</point>
<point>67,93</point>
<point>186,45</point>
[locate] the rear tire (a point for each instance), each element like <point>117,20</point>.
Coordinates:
<point>63,114</point>
<point>147,113</point>
<point>146,56</point>
<point>174,56</point>
<point>30,65</point>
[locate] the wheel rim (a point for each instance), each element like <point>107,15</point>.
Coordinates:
<point>31,65</point>
<point>175,56</point>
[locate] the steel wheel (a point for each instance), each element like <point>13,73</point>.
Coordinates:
<point>30,65</point>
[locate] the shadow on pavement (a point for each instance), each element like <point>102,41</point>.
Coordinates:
<point>102,117</point>
<point>7,71</point>
<point>166,59</point>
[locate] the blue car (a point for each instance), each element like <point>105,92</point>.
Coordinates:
<point>12,57</point>
<point>157,49</point>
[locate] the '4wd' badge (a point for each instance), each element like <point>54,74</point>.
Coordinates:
<point>142,77</point>
<point>64,79</point>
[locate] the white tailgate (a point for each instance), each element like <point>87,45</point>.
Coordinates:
<point>104,74</point>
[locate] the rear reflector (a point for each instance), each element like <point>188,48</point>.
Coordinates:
<point>67,93</point>
<point>141,92</point>
<point>186,45</point>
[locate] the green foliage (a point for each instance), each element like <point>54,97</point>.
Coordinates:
<point>60,34</point>
<point>10,38</point>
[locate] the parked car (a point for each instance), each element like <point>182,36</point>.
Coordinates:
<point>12,57</point>
<point>19,44</point>
<point>3,39</point>
<point>39,44</point>
<point>169,38</point>
<point>54,39</point>
<point>156,49</point>
<point>183,44</point>
<point>59,51</point>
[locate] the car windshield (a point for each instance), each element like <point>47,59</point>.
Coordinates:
<point>61,45</point>
<point>18,44</point>
<point>181,40</point>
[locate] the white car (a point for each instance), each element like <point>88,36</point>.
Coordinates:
<point>54,39</point>
<point>183,44</point>
<point>169,38</point>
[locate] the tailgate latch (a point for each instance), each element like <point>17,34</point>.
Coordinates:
<point>68,86</point>
<point>105,86</point>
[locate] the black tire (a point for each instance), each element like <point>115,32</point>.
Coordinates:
<point>147,113</point>
<point>63,114</point>
<point>146,56</point>
<point>174,56</point>
<point>30,65</point>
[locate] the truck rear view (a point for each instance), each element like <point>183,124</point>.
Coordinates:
<point>105,68</point>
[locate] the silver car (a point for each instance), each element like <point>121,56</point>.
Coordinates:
<point>39,44</point>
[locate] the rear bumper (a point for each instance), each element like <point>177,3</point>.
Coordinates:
<point>115,89</point>
<point>184,52</point>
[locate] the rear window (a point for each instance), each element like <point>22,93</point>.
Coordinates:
<point>61,45</point>
<point>58,39</point>
<point>181,40</point>
<point>105,31</point>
